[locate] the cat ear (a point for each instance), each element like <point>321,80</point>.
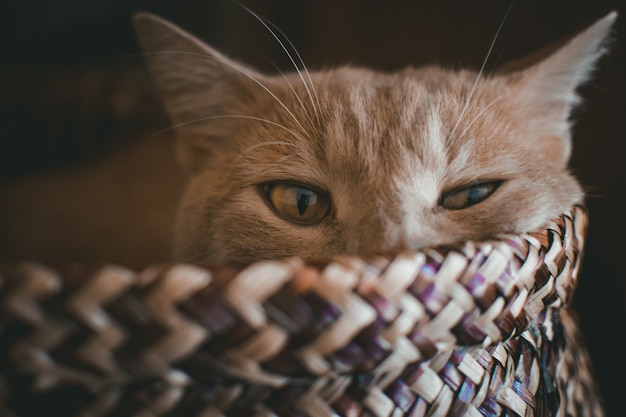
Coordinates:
<point>547,91</point>
<point>197,83</point>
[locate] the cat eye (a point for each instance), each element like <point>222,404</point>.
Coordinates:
<point>461,198</point>
<point>297,203</point>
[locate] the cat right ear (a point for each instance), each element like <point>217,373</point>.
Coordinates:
<point>197,83</point>
<point>548,89</point>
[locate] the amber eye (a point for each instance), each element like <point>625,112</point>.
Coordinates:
<point>296,203</point>
<point>461,198</point>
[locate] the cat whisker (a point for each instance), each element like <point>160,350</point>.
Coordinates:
<point>293,90</point>
<point>293,62</point>
<point>594,191</point>
<point>482,112</point>
<point>480,72</point>
<point>240,70</point>
<point>228,116</point>
<point>284,158</point>
<point>496,62</point>
<point>304,67</point>
<point>261,145</point>
<point>595,196</point>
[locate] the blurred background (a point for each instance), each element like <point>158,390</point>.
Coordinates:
<point>83,176</point>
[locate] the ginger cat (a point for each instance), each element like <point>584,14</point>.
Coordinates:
<point>354,161</point>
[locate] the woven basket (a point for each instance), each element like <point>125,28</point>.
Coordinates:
<point>475,330</point>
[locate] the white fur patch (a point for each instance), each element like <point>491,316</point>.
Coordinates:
<point>418,186</point>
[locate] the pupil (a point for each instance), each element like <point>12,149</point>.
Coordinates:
<point>475,194</point>
<point>303,201</point>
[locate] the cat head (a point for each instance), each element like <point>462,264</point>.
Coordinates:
<point>355,161</point>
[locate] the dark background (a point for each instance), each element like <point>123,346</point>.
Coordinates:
<point>65,64</point>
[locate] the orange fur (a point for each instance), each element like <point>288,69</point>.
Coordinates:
<point>384,146</point>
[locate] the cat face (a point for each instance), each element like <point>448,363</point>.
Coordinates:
<point>359,162</point>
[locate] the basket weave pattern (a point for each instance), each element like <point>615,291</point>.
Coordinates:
<point>476,330</point>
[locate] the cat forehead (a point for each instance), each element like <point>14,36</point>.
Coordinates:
<point>374,130</point>
<point>376,105</point>
<point>424,113</point>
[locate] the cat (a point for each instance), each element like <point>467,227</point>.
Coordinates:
<point>354,161</point>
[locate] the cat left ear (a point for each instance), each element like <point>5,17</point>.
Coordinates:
<point>548,89</point>
<point>198,84</point>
